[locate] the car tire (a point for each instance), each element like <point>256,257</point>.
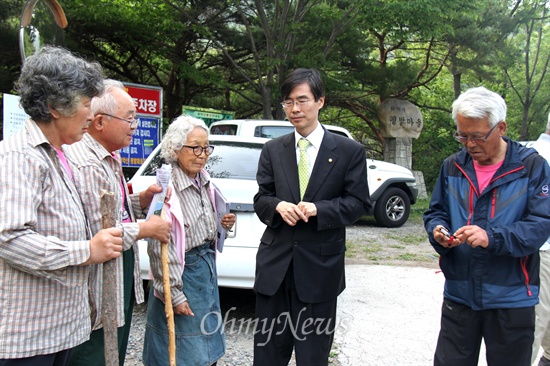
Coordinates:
<point>392,208</point>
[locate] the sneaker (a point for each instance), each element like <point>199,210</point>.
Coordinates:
<point>544,361</point>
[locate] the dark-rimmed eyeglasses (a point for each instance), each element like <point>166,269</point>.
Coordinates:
<point>475,140</point>
<point>198,150</point>
<point>291,103</point>
<point>133,122</point>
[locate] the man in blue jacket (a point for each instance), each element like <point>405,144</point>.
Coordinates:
<point>489,215</point>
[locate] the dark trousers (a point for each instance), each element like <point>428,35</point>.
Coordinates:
<point>508,335</point>
<point>284,322</point>
<point>54,359</point>
<point>92,352</point>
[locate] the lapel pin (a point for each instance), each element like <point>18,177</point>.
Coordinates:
<point>330,160</point>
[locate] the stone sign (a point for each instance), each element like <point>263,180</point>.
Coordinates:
<point>400,118</point>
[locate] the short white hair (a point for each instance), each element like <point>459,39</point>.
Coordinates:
<point>480,103</point>
<point>106,102</point>
<point>548,124</point>
<point>176,136</point>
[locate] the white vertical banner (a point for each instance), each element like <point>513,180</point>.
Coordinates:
<point>14,115</point>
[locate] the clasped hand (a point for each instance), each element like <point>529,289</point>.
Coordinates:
<point>292,213</point>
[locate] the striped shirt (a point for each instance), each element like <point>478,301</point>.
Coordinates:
<point>43,238</point>
<point>199,225</point>
<point>100,170</point>
<point>198,211</point>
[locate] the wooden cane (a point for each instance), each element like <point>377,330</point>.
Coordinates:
<point>109,308</point>
<point>168,309</point>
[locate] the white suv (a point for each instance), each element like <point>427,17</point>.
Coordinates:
<point>262,128</point>
<point>392,187</point>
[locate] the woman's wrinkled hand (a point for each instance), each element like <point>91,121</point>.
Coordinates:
<point>183,309</point>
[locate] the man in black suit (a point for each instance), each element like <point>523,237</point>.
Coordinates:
<point>300,261</point>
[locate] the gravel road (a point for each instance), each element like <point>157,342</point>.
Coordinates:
<point>239,340</point>
<point>370,244</point>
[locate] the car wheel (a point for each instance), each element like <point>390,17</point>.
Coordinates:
<point>392,208</point>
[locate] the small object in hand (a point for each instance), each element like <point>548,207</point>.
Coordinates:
<point>446,232</point>
<point>451,239</point>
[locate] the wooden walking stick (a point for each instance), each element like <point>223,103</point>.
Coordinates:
<point>158,208</point>
<point>168,309</point>
<point>109,293</point>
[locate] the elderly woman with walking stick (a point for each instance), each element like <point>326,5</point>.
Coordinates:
<point>192,210</point>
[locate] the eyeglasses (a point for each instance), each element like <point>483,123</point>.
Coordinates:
<point>198,150</point>
<point>291,103</point>
<point>133,122</point>
<point>475,140</point>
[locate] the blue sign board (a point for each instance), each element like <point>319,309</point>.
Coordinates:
<point>144,141</point>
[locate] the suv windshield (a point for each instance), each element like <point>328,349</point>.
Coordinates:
<point>230,160</point>
<point>267,131</point>
<point>272,132</point>
<point>224,130</point>
<point>235,160</point>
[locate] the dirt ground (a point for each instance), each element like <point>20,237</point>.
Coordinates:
<point>369,243</point>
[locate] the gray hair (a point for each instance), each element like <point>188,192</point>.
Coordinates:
<point>176,136</point>
<point>479,103</point>
<point>548,124</point>
<point>106,102</point>
<point>54,78</point>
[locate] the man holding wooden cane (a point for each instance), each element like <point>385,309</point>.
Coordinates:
<point>98,161</point>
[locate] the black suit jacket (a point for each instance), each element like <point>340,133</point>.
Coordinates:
<point>338,187</point>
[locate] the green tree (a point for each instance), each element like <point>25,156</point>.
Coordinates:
<point>276,34</point>
<point>10,61</point>
<point>528,80</point>
<point>394,48</point>
<point>478,42</point>
<point>152,42</point>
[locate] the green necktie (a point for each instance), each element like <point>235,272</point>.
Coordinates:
<point>303,166</point>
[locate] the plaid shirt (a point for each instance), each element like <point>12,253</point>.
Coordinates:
<point>43,238</point>
<point>100,170</point>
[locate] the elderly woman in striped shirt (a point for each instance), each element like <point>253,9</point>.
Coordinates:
<point>194,284</point>
<point>45,245</point>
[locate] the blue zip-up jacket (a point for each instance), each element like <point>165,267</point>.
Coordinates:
<point>514,210</point>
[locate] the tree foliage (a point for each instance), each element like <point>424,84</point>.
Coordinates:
<point>528,79</point>
<point>233,54</point>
